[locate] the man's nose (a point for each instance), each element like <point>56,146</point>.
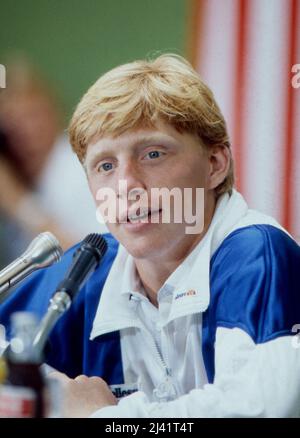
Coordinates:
<point>132,180</point>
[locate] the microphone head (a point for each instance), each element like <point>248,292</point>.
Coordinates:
<point>96,242</point>
<point>43,250</point>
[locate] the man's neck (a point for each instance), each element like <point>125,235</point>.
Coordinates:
<point>154,273</point>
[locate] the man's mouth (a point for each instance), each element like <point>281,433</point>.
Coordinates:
<point>142,215</point>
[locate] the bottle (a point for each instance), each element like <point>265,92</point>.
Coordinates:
<point>23,394</point>
<point>2,370</point>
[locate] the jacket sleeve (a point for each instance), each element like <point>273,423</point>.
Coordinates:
<point>250,381</point>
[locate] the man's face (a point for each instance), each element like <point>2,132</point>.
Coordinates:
<point>145,159</point>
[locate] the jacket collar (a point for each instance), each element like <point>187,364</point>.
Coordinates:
<point>189,283</point>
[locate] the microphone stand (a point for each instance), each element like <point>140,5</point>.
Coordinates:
<point>59,303</point>
<point>85,260</point>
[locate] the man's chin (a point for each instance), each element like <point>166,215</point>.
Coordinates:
<point>142,247</point>
<point>145,244</point>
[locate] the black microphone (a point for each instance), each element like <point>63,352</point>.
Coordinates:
<point>85,260</point>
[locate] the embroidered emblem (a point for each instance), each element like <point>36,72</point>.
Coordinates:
<point>122,390</point>
<point>185,294</point>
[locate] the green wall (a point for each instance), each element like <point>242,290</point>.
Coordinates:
<point>73,41</point>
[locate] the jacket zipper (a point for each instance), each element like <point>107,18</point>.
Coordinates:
<point>166,390</point>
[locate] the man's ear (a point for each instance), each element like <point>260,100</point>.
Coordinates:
<point>219,158</point>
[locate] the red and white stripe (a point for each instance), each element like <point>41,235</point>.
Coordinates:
<point>245,50</point>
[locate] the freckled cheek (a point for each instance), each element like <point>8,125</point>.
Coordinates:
<point>95,185</point>
<point>106,200</point>
<point>108,211</point>
<point>195,176</point>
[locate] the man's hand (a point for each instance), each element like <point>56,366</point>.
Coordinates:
<point>83,395</point>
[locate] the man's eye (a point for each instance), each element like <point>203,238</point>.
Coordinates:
<point>154,154</point>
<point>105,167</point>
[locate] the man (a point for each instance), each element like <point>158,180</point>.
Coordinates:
<point>173,323</point>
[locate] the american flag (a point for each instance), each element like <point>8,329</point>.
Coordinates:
<point>248,52</point>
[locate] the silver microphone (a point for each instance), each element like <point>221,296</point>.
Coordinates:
<point>42,252</point>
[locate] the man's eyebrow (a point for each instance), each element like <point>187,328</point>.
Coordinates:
<point>106,151</point>
<point>151,139</point>
<point>158,140</point>
<point>143,141</point>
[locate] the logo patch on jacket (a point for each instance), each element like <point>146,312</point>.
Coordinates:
<point>124,389</point>
<point>185,294</point>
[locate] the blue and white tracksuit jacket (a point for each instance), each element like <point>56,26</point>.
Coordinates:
<point>223,342</point>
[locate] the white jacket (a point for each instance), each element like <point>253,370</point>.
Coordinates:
<point>248,366</point>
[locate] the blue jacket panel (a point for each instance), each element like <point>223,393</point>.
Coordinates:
<point>255,286</point>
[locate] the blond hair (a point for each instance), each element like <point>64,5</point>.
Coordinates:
<point>140,93</point>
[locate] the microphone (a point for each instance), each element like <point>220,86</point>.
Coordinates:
<point>85,260</point>
<point>42,252</point>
